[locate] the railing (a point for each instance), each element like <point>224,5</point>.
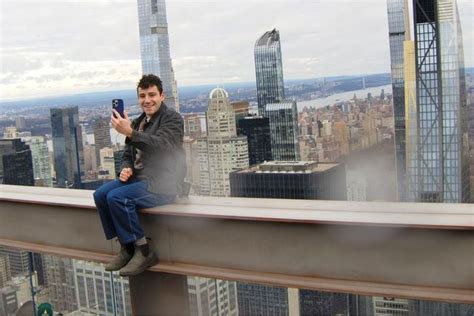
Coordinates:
<point>421,251</point>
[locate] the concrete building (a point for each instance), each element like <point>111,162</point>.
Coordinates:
<point>107,162</point>
<point>8,301</point>
<point>20,122</point>
<point>241,109</point>
<point>212,297</point>
<point>5,273</point>
<point>60,282</point>
<point>192,125</point>
<point>101,135</point>
<point>18,260</point>
<point>99,293</point>
<point>384,306</point>
<point>10,132</point>
<point>226,151</point>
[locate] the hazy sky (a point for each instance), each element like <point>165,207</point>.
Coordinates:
<point>56,47</point>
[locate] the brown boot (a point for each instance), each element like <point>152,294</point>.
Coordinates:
<point>143,258</point>
<point>121,259</point>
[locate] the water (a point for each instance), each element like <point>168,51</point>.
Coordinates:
<point>344,96</point>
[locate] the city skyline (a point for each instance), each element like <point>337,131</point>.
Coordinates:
<point>103,53</point>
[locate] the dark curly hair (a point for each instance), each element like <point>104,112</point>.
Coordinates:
<point>150,80</point>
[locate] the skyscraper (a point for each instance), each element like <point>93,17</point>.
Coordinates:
<point>99,292</point>
<point>40,159</point>
<point>5,273</point>
<point>155,46</point>
<point>227,152</point>
<point>101,136</point>
<point>439,166</point>
<point>60,281</point>
<point>212,297</point>
<point>284,130</point>
<point>399,31</point>
<point>67,146</point>
<point>16,165</point>
<point>257,130</point>
<point>269,70</point>
<point>18,260</point>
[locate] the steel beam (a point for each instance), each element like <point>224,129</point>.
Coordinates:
<point>360,248</point>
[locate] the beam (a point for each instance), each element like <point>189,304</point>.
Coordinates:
<point>414,257</point>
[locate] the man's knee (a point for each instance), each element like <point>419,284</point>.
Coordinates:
<point>99,195</point>
<point>115,197</point>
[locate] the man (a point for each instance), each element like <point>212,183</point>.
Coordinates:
<point>154,148</point>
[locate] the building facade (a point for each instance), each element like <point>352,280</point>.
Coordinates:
<point>16,166</point>
<point>59,275</point>
<point>291,180</point>
<point>257,131</point>
<point>101,135</point>
<point>284,130</point>
<point>155,47</point>
<point>399,31</point>
<point>18,260</point>
<point>40,160</point>
<point>226,151</point>
<point>440,165</point>
<point>5,272</point>
<point>67,146</point>
<point>212,297</point>
<point>269,70</point>
<point>99,292</point>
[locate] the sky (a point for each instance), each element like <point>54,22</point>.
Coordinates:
<point>58,47</point>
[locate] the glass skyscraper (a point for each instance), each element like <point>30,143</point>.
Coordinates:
<point>257,130</point>
<point>284,130</point>
<point>67,146</point>
<point>155,46</point>
<point>16,166</point>
<point>439,169</point>
<point>399,31</point>
<point>269,70</point>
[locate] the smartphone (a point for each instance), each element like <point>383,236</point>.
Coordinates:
<point>117,105</point>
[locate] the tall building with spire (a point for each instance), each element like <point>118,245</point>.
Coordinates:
<point>399,32</point>
<point>269,70</point>
<point>439,161</point>
<point>155,47</point>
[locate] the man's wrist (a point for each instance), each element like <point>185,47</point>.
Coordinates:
<point>129,134</point>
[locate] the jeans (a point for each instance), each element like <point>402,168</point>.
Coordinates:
<point>118,202</point>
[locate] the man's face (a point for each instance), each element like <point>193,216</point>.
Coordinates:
<point>150,100</point>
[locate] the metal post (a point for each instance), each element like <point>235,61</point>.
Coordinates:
<point>159,294</point>
<point>32,288</point>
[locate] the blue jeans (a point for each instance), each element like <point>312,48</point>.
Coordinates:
<point>118,202</point>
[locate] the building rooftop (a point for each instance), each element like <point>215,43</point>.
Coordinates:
<point>268,38</point>
<point>289,167</point>
<point>218,93</point>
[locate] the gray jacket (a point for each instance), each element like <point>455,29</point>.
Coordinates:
<point>162,153</point>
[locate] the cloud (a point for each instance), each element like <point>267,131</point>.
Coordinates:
<point>92,44</point>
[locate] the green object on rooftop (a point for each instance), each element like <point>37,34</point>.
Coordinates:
<point>45,309</point>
